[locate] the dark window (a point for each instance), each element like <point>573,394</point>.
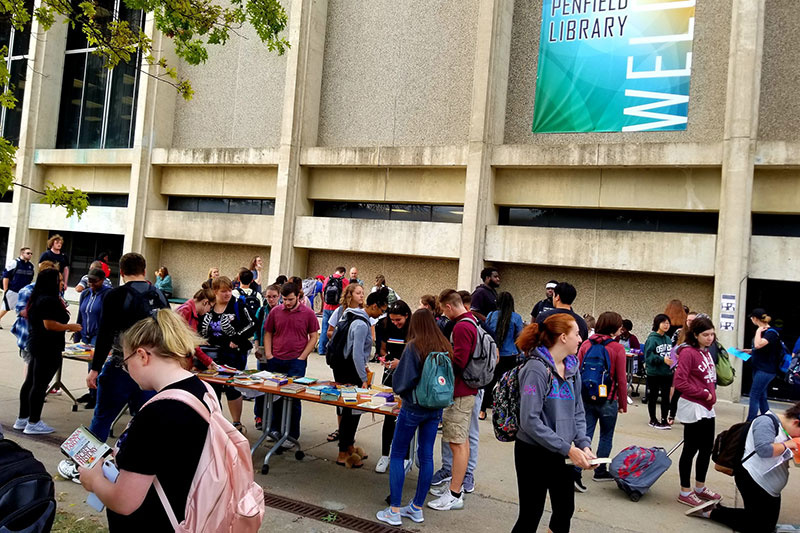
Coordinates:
<point>108,200</point>
<point>17,64</point>
<point>240,206</point>
<point>776,225</point>
<point>610,219</point>
<point>83,248</point>
<point>98,105</point>
<point>8,197</point>
<point>3,245</point>
<point>376,211</point>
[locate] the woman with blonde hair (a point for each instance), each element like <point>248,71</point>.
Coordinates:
<point>766,358</point>
<point>153,351</point>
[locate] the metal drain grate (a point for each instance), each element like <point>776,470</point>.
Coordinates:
<point>346,521</point>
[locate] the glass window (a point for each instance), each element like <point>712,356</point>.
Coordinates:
<point>182,203</point>
<point>415,212</point>
<point>8,197</point>
<point>411,212</point>
<point>610,219</point>
<point>447,213</point>
<point>108,200</point>
<point>212,205</point>
<point>244,206</point>
<point>267,207</point>
<point>93,103</point>
<point>17,42</point>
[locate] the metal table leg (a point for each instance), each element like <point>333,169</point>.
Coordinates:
<point>58,384</point>
<point>266,418</point>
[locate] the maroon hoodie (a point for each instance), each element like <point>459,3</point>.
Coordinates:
<point>696,376</point>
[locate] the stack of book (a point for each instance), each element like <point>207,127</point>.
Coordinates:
<point>316,389</point>
<point>349,396</point>
<point>389,407</point>
<point>278,380</point>
<point>305,381</point>
<point>329,394</point>
<point>387,396</point>
<point>382,388</point>
<point>293,388</point>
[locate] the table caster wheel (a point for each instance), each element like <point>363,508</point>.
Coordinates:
<point>74,408</point>
<point>265,470</point>
<point>299,454</point>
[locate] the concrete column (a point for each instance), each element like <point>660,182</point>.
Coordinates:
<point>37,130</point>
<point>299,126</point>
<point>487,122</point>
<point>741,126</point>
<point>155,111</point>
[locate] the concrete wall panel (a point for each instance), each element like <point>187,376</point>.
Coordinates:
<point>776,191</point>
<point>91,179</point>
<point>238,97</point>
<point>227,182</point>
<point>638,297</point>
<point>636,251</point>
<point>426,239</point>
<point>397,73</point>
<point>413,185</point>
<point>775,258</point>
<point>209,227</point>
<point>620,188</point>
<point>779,104</point>
<point>707,94</point>
<point>411,277</point>
<point>108,220</point>
<point>189,262</point>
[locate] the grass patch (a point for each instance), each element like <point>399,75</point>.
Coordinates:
<point>69,523</point>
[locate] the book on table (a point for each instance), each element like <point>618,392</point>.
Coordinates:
<point>329,394</point>
<point>304,380</point>
<point>349,396</point>
<point>293,388</point>
<point>389,407</point>
<point>278,380</point>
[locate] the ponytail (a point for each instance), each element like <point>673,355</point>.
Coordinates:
<point>545,334</point>
<point>165,333</point>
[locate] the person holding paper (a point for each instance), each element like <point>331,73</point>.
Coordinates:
<point>164,440</point>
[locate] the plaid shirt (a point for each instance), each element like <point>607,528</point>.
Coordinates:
<point>21,327</point>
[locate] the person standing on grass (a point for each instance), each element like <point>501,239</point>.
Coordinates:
<point>605,410</point>
<point>290,334</point>
<point>456,418</point>
<point>424,339</point>
<point>505,325</point>
<point>659,374</point>
<point>552,423</point>
<point>696,380</point>
<point>48,318</point>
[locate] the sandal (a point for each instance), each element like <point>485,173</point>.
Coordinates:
<point>333,436</point>
<point>240,428</point>
<point>482,415</point>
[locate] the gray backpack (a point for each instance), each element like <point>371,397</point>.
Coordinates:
<point>479,371</point>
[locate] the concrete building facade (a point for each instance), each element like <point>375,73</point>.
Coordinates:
<point>429,103</point>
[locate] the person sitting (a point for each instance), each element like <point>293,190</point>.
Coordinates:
<point>164,282</point>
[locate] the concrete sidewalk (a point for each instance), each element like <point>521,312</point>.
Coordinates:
<point>318,480</point>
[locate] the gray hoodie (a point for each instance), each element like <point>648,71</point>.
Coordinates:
<point>359,343</point>
<point>551,409</point>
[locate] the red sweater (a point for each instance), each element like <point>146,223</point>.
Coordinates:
<point>188,311</point>
<point>464,335</point>
<point>619,378</point>
<point>696,376</point>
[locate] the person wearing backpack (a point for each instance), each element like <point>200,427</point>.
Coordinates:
<point>695,379</point>
<point>505,325</point>
<point>228,326</point>
<point>762,474</point>
<point>766,358</point>
<point>249,296</point>
<point>169,446</point>
<point>552,423</point>
<point>332,289</point>
<point>602,366</point>
<point>659,374</point>
<point>429,354</point>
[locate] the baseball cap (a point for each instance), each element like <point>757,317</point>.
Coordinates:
<point>758,312</point>
<point>551,284</point>
<point>96,274</point>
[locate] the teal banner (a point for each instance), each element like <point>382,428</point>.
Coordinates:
<point>614,65</point>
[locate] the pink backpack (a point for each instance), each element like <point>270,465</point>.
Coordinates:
<point>223,496</point>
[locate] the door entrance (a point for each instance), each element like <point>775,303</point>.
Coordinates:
<point>774,296</point>
<point>83,248</point>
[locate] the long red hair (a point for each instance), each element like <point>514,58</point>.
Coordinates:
<point>545,334</point>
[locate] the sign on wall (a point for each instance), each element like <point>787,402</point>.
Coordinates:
<point>614,65</point>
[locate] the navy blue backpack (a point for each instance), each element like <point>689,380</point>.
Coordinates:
<point>596,372</point>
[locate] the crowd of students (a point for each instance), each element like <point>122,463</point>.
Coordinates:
<point>142,348</point>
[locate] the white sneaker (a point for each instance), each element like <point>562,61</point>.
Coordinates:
<point>440,490</point>
<point>20,423</point>
<point>446,502</point>
<point>39,428</point>
<point>68,470</point>
<point>55,392</point>
<point>383,464</point>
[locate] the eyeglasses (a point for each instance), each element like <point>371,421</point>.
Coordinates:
<point>124,363</point>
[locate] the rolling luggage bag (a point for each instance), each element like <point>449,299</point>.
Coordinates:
<point>636,469</point>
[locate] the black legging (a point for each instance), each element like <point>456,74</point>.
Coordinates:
<point>656,385</point>
<point>42,368</point>
<point>506,363</point>
<point>761,510</point>
<point>348,427</point>
<point>698,439</point>
<point>540,471</point>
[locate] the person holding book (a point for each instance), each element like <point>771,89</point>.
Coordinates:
<point>164,440</point>
<point>424,338</point>
<point>353,371</point>
<point>552,423</point>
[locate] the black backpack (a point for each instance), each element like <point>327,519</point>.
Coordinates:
<point>27,492</point>
<point>138,305</point>
<point>334,355</point>
<point>728,450</point>
<point>333,291</point>
<point>250,301</point>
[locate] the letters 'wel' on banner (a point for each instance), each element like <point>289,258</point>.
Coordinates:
<point>614,65</point>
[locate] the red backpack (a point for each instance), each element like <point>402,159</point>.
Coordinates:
<point>223,496</point>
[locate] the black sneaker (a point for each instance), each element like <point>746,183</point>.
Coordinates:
<point>579,486</point>
<point>602,475</point>
<point>662,426</point>
<point>654,424</point>
<point>665,425</point>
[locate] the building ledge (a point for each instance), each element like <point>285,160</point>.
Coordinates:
<point>215,156</point>
<point>385,156</point>
<point>116,157</point>
<point>220,228</point>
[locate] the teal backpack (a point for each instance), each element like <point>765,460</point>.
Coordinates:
<point>436,383</point>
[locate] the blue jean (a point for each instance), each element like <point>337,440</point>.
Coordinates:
<point>758,393</point>
<point>293,368</point>
<point>409,419</point>
<point>115,388</point>
<point>606,414</point>
<point>474,441</point>
<point>323,332</point>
